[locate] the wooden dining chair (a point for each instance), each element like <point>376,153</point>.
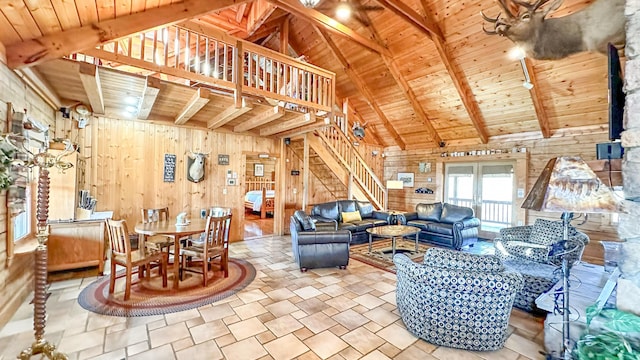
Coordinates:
<point>214,244</point>
<point>123,255</point>
<point>159,242</point>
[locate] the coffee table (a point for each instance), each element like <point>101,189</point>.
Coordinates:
<point>393,232</point>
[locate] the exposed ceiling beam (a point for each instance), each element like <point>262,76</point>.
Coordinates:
<point>318,18</point>
<point>404,85</point>
<point>90,78</point>
<point>464,90</point>
<point>40,85</point>
<point>430,27</point>
<point>260,119</point>
<point>240,12</point>
<point>318,124</point>
<point>56,45</point>
<point>297,121</point>
<point>149,95</point>
<point>425,23</point>
<point>228,114</point>
<point>195,104</point>
<point>541,113</point>
<point>361,86</point>
<point>258,14</point>
<point>284,36</point>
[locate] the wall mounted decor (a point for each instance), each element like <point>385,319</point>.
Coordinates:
<point>169,167</point>
<point>424,167</point>
<point>406,178</point>
<point>195,166</point>
<point>258,169</point>
<point>223,159</point>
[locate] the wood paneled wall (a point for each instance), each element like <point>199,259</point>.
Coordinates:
<point>128,158</point>
<point>563,143</point>
<point>16,277</point>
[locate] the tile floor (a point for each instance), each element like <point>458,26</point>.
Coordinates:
<point>283,314</point>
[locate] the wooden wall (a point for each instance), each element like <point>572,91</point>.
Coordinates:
<point>16,277</point>
<point>128,157</point>
<point>563,143</point>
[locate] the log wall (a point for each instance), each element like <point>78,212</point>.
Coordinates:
<point>566,143</point>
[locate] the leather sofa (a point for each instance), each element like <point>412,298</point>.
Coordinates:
<point>329,216</point>
<point>317,249</point>
<point>445,224</point>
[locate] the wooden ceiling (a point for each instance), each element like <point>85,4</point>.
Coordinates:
<point>422,73</point>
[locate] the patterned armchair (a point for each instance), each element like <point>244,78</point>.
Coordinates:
<point>526,249</point>
<point>456,299</point>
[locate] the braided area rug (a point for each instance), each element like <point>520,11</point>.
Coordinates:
<point>148,297</point>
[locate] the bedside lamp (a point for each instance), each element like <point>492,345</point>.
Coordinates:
<point>568,185</point>
<point>392,185</point>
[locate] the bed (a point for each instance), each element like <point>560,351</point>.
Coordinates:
<point>260,195</point>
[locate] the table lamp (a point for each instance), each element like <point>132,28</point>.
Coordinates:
<point>392,185</point>
<point>568,185</point>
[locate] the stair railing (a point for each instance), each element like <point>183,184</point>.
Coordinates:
<point>336,140</point>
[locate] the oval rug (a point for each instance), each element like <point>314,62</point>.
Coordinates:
<point>148,297</point>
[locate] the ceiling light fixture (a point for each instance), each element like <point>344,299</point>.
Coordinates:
<point>309,3</point>
<point>343,11</point>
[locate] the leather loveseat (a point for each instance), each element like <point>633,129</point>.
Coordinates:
<point>332,215</point>
<point>445,224</point>
<point>317,249</point>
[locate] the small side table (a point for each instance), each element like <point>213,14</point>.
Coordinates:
<point>397,217</point>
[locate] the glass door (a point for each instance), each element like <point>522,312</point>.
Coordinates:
<point>486,187</point>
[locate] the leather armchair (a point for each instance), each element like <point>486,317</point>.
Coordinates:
<point>456,299</point>
<point>316,248</point>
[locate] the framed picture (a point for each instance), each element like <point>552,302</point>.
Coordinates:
<point>406,178</point>
<point>258,169</point>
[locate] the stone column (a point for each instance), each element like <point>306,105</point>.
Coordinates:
<point>629,227</point>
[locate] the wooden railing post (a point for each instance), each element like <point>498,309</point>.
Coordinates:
<point>238,67</point>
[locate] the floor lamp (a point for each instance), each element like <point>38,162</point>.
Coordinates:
<point>44,161</point>
<point>568,185</point>
<point>392,185</point>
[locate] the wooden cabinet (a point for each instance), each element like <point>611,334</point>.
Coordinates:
<point>76,244</point>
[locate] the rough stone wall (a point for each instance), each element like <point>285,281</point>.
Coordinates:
<point>629,226</point>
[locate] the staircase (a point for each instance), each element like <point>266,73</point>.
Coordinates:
<point>332,140</point>
<point>322,172</point>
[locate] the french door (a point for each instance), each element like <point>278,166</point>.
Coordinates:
<point>486,187</point>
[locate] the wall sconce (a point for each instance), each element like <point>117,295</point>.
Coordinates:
<point>374,153</point>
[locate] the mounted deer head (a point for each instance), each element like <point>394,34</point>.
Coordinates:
<point>358,130</point>
<point>195,172</point>
<point>589,29</point>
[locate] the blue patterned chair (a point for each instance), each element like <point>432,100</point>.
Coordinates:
<point>456,299</point>
<point>526,249</point>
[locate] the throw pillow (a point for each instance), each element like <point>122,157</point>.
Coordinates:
<point>351,216</point>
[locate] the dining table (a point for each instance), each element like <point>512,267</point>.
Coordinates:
<point>177,231</point>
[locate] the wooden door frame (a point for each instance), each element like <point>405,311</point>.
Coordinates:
<point>278,209</point>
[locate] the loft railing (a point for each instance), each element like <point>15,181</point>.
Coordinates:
<point>223,61</point>
<point>338,142</point>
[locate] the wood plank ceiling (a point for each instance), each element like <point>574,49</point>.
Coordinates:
<point>422,72</point>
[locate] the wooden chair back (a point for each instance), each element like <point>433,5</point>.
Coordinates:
<point>155,214</point>
<point>217,233</point>
<point>219,211</point>
<point>119,237</point>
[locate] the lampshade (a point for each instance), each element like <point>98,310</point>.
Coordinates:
<point>394,184</point>
<point>310,3</point>
<point>567,184</point>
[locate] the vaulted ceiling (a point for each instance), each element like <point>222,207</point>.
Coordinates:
<point>420,72</point>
